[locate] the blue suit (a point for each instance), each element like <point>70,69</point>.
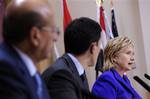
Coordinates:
<point>15,79</point>
<point>110,85</point>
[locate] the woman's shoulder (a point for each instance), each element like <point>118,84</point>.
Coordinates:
<point>107,74</point>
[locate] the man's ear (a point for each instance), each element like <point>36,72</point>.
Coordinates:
<point>35,36</point>
<point>93,47</point>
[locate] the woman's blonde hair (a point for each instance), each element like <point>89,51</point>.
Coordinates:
<point>112,48</point>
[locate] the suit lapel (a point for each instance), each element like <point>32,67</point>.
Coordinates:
<point>75,73</point>
<point>72,68</point>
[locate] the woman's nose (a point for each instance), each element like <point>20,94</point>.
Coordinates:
<point>132,59</point>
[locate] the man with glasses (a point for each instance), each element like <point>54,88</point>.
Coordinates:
<point>28,32</point>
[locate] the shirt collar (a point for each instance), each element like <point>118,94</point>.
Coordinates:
<point>78,65</point>
<point>28,62</point>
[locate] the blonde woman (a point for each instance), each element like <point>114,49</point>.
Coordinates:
<point>118,59</point>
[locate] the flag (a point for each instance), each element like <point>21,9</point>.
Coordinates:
<point>102,18</point>
<point>108,30</point>
<point>102,24</point>
<point>67,17</point>
<point>105,36</point>
<point>113,23</point>
<point>66,21</point>
<point>100,62</point>
<point>101,21</point>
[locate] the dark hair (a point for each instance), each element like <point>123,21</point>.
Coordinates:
<point>79,35</point>
<point>17,26</point>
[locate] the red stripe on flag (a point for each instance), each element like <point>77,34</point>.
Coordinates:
<point>102,18</point>
<point>67,17</point>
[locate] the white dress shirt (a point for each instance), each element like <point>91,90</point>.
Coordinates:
<point>78,65</point>
<point>28,62</point>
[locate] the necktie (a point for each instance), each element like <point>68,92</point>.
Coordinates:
<point>84,80</point>
<point>85,85</point>
<point>82,77</point>
<point>38,82</point>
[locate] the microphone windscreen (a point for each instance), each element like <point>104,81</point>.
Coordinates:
<point>147,76</point>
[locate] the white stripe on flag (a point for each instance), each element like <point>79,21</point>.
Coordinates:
<point>108,28</point>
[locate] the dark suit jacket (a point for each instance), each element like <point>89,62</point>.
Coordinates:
<point>63,80</point>
<point>15,80</point>
<point>110,85</point>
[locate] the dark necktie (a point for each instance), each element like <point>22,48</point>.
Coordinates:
<point>38,82</point>
<point>85,85</point>
<point>84,80</point>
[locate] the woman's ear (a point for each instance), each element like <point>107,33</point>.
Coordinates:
<point>114,58</point>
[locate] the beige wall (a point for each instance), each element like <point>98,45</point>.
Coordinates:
<point>132,18</point>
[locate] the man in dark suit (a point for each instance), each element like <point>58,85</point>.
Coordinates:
<point>66,78</point>
<point>28,32</point>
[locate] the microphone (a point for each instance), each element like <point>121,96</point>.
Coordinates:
<point>147,76</point>
<point>142,83</point>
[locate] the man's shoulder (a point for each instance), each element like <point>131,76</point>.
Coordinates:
<point>60,66</point>
<point>10,61</point>
<point>62,69</point>
<point>10,65</point>
<point>3,50</point>
<point>6,54</point>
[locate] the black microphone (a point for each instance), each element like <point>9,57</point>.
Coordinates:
<point>142,83</point>
<point>147,76</point>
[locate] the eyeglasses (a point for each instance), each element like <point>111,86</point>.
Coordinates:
<point>51,30</point>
